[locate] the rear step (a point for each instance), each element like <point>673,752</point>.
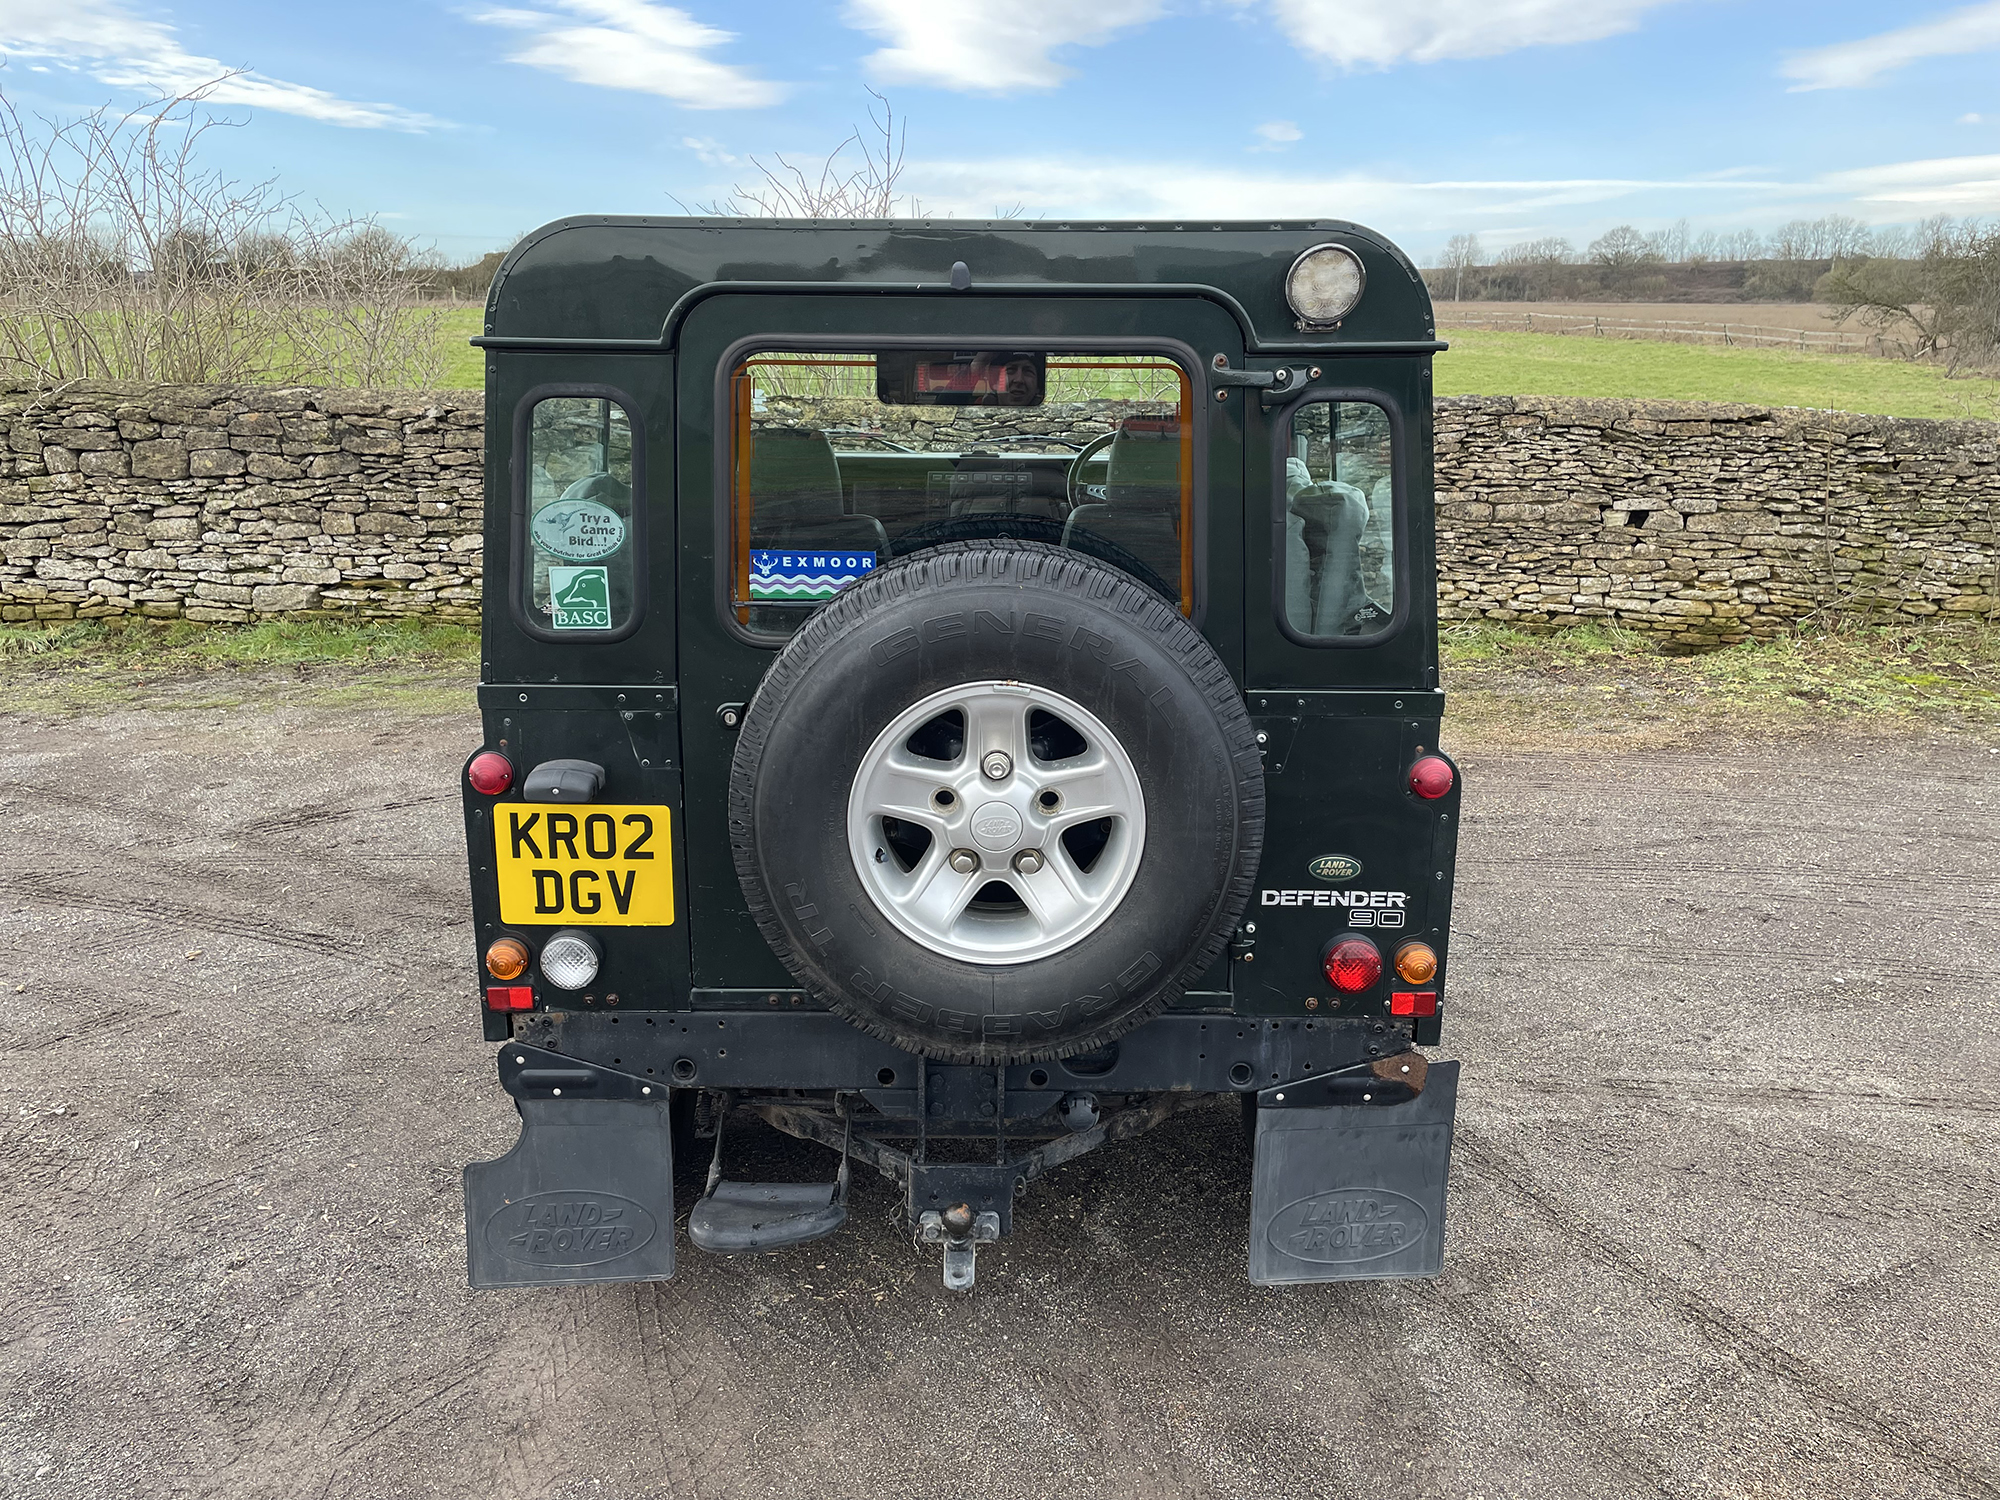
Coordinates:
<point>586,1195</point>
<point>748,1218</point>
<point>742,1218</point>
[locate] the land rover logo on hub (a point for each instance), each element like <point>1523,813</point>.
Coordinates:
<point>1335,868</point>
<point>996,827</point>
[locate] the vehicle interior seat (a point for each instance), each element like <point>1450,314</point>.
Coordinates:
<point>1141,510</point>
<point>988,484</point>
<point>796,495</point>
<point>1325,594</point>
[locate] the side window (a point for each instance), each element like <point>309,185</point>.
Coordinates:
<point>1339,538</point>
<point>581,552</point>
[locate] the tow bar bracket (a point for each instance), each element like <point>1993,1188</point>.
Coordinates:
<point>1352,1191</point>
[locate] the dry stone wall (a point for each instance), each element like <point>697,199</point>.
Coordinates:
<point>1710,523</point>
<point>230,503</point>
<point>1706,523</point>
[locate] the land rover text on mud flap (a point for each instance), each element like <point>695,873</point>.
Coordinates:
<point>961,693</point>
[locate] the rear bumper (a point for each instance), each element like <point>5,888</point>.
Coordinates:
<point>1348,1178</point>
<point>815,1050</point>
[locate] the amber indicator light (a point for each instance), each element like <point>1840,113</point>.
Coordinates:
<point>1416,963</point>
<point>507,958</point>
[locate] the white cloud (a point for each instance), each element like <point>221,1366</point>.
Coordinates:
<point>1849,65</point>
<point>1941,185</point>
<point>637,45</point>
<point>1357,34</point>
<point>978,47</point>
<point>710,151</point>
<point>1972,119</point>
<point>1094,188</point>
<point>1280,132</point>
<point>1103,187</point>
<point>118,48</point>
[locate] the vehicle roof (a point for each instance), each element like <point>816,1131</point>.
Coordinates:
<point>612,278</point>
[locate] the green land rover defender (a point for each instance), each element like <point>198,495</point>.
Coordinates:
<point>961,692</point>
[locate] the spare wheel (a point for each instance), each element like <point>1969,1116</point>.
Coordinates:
<point>996,803</point>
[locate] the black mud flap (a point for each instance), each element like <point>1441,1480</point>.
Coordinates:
<point>1353,1192</point>
<point>586,1195</point>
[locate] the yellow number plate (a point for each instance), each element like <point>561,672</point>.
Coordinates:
<point>590,865</point>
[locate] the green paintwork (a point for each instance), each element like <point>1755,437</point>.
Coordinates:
<point>653,307</point>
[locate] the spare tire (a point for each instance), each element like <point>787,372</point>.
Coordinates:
<point>997,803</point>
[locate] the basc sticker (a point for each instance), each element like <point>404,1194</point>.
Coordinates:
<point>580,598</point>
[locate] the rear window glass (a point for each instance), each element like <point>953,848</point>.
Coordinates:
<point>581,553</point>
<point>842,462</point>
<point>1340,536</point>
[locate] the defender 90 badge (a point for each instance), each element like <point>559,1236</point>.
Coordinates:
<point>1335,868</point>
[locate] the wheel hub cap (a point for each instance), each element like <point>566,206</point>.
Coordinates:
<point>996,827</point>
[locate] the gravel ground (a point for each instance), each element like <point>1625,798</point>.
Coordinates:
<point>1723,1217</point>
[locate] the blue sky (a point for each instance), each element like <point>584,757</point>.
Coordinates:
<point>466,123</point>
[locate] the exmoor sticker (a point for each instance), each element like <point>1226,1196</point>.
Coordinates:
<point>795,576</point>
<point>578,531</point>
<point>1335,868</point>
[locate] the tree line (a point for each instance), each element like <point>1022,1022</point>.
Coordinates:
<point>1931,290</point>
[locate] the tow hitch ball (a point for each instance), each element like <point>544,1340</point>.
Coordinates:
<point>961,1232</point>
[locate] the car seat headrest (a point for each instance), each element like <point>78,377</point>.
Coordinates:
<point>1145,461</point>
<point>794,476</point>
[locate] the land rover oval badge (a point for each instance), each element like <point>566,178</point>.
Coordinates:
<point>1335,868</point>
<point>578,530</point>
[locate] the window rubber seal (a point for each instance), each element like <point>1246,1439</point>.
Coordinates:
<point>1177,350</point>
<point>517,524</point>
<point>1281,427</point>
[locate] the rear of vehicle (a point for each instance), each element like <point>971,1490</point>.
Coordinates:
<point>962,695</point>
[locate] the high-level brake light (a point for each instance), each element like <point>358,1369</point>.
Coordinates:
<point>1353,964</point>
<point>490,773</point>
<point>1432,777</point>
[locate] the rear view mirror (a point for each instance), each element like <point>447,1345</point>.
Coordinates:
<point>960,377</point>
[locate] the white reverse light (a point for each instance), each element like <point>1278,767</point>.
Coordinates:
<point>569,960</point>
<point>1324,284</point>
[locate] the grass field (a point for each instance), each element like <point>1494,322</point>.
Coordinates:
<point>464,366</point>
<point>1588,680</point>
<point>1487,363</point>
<point>1601,683</point>
<point>1482,362</point>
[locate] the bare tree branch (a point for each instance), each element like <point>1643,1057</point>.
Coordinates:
<point>862,186</point>
<point>123,257</point>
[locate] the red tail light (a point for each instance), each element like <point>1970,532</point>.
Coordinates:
<point>1353,964</point>
<point>490,773</point>
<point>1421,1003</point>
<point>1432,777</point>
